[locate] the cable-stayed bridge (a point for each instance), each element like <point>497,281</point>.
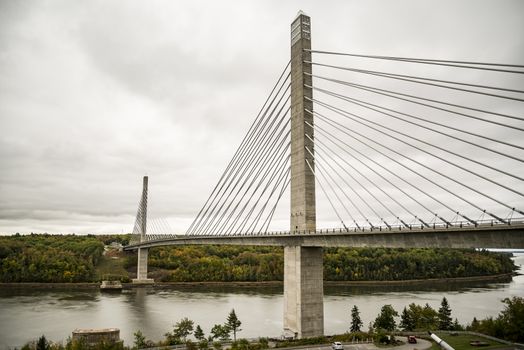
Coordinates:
<point>398,157</point>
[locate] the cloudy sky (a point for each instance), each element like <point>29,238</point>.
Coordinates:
<point>96,94</point>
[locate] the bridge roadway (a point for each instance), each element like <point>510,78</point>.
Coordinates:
<point>482,236</point>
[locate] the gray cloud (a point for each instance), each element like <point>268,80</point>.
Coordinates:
<point>94,95</point>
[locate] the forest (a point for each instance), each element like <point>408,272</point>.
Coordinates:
<point>49,258</point>
<point>238,263</point>
<point>76,258</point>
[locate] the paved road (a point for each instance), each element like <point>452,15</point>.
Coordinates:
<point>420,345</point>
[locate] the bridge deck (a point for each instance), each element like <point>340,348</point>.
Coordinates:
<point>482,236</point>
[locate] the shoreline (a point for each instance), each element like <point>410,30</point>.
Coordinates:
<point>261,284</point>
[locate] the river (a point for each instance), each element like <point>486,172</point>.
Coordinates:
<point>27,313</point>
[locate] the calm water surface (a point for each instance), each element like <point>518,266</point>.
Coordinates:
<point>26,314</point>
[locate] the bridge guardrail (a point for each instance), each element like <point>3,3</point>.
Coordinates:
<point>407,227</point>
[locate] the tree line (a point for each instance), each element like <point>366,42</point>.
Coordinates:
<point>72,258</point>
<point>508,325</point>
<point>239,263</point>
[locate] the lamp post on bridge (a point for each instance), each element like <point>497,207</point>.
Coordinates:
<point>303,268</point>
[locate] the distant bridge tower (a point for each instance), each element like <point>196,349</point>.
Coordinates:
<point>303,269</point>
<point>141,271</point>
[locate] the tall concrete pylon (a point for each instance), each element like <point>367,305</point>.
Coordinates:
<point>141,271</point>
<point>303,269</point>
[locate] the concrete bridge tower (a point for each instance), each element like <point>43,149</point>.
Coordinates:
<point>303,269</point>
<point>141,271</point>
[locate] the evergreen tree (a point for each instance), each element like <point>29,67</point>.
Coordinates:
<point>407,323</point>
<point>42,343</point>
<point>356,322</point>
<point>233,323</point>
<point>199,333</point>
<point>444,315</point>
<point>474,325</point>
<point>386,319</point>
<point>457,326</point>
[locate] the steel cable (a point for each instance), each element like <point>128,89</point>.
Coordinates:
<point>250,155</point>
<point>433,170</point>
<point>324,191</point>
<point>448,63</point>
<point>346,115</point>
<point>424,81</point>
<point>361,174</point>
<point>259,146</point>
<point>278,171</point>
<point>446,176</point>
<point>365,104</point>
<point>246,138</point>
<point>390,93</point>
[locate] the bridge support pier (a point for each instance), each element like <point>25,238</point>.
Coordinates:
<point>303,270</point>
<point>141,271</point>
<point>303,292</point>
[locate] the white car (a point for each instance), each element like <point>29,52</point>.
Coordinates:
<point>337,346</point>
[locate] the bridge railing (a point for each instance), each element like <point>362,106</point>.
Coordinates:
<point>346,230</point>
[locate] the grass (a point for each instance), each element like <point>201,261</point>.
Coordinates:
<point>461,342</point>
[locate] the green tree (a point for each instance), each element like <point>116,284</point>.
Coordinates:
<point>233,323</point>
<point>264,343</point>
<point>183,328</point>
<point>512,319</point>
<point>457,326</point>
<point>429,318</point>
<point>474,324</point>
<point>140,339</point>
<point>203,344</point>
<point>220,332</point>
<point>243,344</point>
<point>386,319</point>
<point>42,343</point>
<point>356,321</point>
<point>444,315</point>
<point>407,323</point>
<point>199,333</point>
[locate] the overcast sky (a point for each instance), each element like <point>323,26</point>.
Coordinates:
<point>96,94</point>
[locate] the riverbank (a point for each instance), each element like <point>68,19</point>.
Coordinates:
<point>167,285</point>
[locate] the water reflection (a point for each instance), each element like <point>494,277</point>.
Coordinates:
<point>438,286</point>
